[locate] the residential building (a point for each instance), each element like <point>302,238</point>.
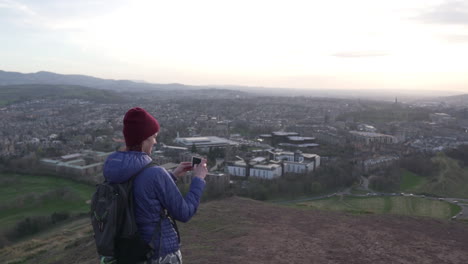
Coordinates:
<point>368,138</point>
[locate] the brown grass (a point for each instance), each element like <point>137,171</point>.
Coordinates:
<point>238,230</point>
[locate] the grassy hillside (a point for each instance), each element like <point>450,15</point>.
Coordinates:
<point>451,181</point>
<point>410,181</point>
<point>387,205</point>
<point>23,196</point>
<point>18,93</point>
<point>238,230</point>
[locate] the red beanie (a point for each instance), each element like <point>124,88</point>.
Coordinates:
<point>138,126</point>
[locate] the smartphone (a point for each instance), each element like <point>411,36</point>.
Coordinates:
<point>195,160</point>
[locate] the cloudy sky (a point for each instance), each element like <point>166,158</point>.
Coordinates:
<point>327,44</point>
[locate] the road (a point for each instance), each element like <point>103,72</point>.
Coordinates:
<point>463,203</point>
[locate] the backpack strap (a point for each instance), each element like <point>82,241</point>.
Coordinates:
<point>174,224</point>
<point>129,188</point>
<point>157,229</point>
<point>163,214</point>
<point>151,164</point>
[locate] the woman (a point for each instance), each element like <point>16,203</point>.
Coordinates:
<point>154,189</point>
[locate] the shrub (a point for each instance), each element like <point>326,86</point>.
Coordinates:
<point>33,225</point>
<point>420,165</point>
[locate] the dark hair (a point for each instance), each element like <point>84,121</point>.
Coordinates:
<point>135,148</point>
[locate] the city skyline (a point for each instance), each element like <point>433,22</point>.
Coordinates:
<point>405,45</point>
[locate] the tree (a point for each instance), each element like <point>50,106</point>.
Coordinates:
<point>194,148</point>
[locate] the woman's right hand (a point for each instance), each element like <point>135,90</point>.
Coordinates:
<point>200,170</point>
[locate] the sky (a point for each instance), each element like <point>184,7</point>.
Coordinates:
<point>328,44</point>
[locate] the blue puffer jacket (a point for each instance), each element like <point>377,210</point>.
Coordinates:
<point>154,188</point>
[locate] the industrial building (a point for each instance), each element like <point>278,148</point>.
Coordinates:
<point>275,165</point>
<point>288,139</point>
<point>81,166</point>
<point>255,169</point>
<point>205,143</point>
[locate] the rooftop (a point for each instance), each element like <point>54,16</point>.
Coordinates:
<point>71,156</point>
<point>209,140</point>
<point>297,138</point>
<point>258,159</point>
<point>307,145</point>
<point>266,166</point>
<point>282,133</point>
<point>368,134</point>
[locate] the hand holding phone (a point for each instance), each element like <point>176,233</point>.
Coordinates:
<point>182,168</point>
<point>199,167</point>
<point>196,160</point>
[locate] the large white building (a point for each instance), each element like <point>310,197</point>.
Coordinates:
<point>266,171</point>
<point>204,143</point>
<point>237,168</point>
<point>296,162</point>
<point>263,171</point>
<point>277,164</point>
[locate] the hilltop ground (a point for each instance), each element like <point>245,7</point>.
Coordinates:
<point>238,230</point>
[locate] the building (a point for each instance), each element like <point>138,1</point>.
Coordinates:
<point>275,165</point>
<point>368,138</point>
<point>281,137</point>
<point>219,182</point>
<point>237,168</point>
<point>442,118</point>
<point>329,137</point>
<point>288,139</point>
<point>379,162</point>
<point>262,170</point>
<point>266,171</point>
<point>205,143</point>
<point>366,128</point>
<point>296,162</point>
<point>84,166</point>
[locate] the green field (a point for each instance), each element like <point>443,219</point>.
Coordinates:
<point>24,196</point>
<point>410,181</point>
<point>386,205</point>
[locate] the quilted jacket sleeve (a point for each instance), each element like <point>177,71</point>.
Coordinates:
<point>180,207</point>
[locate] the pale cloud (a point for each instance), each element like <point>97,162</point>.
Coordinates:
<point>17,6</point>
<point>453,12</point>
<point>360,54</point>
<point>246,41</point>
<point>456,38</point>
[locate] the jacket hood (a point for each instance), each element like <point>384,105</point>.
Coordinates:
<point>120,166</point>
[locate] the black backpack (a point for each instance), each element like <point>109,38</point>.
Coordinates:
<point>115,229</point>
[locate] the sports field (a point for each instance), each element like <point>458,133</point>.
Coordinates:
<point>24,196</point>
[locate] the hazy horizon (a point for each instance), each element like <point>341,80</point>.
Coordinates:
<point>387,95</point>
<point>334,45</point>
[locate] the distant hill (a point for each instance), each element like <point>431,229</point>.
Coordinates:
<point>456,100</point>
<point>44,77</point>
<point>239,230</point>
<point>18,93</point>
